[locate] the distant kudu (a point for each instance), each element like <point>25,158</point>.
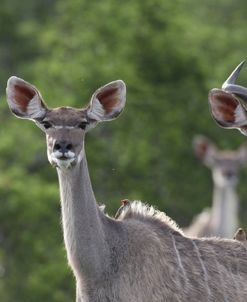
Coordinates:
<point>141,256</point>
<point>222,218</point>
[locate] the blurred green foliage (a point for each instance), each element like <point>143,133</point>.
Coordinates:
<point>169,53</point>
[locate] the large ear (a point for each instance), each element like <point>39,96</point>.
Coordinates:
<point>107,102</point>
<point>204,149</point>
<point>24,100</point>
<point>227,110</point>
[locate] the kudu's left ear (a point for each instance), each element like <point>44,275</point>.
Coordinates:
<point>204,149</point>
<point>24,99</point>
<point>227,110</point>
<point>107,102</point>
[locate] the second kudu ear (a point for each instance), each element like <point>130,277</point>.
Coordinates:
<point>24,99</point>
<point>204,149</point>
<point>226,109</point>
<point>107,102</point>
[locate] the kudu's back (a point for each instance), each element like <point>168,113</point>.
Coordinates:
<point>156,263</point>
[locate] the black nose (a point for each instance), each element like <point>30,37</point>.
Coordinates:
<point>229,174</point>
<point>62,147</point>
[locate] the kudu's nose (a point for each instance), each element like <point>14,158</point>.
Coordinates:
<point>229,174</point>
<point>62,147</point>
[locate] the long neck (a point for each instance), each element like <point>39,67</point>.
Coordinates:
<point>224,219</point>
<point>82,222</point>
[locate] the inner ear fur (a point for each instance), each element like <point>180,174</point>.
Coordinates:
<point>24,99</point>
<point>108,101</point>
<point>23,95</point>
<point>226,109</point>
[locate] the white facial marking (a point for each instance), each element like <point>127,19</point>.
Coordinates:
<point>63,127</point>
<point>57,154</point>
<point>57,127</point>
<point>69,154</point>
<point>67,159</point>
<point>65,163</point>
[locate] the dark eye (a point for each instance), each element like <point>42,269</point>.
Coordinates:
<point>83,125</point>
<point>46,124</point>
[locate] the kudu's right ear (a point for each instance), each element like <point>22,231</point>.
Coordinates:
<point>24,99</point>
<point>107,102</point>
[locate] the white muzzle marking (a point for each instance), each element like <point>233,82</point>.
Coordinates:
<point>63,160</point>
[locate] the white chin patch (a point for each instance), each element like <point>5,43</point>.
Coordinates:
<point>65,161</point>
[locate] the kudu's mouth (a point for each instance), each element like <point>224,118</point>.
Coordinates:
<point>63,160</point>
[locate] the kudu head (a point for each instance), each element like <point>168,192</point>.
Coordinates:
<point>224,164</point>
<point>229,104</point>
<point>65,127</point>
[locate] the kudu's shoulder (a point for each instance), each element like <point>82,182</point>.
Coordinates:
<point>138,211</point>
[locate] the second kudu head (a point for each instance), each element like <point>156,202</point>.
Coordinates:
<point>224,164</point>
<point>65,127</point>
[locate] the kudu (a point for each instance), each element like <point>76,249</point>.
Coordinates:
<point>141,256</point>
<point>222,218</point>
